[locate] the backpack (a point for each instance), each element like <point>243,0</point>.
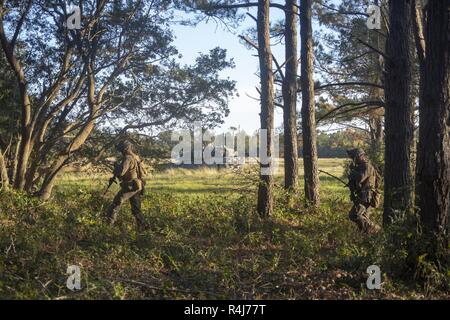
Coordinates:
<point>141,172</point>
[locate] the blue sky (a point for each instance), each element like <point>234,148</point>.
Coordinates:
<point>190,41</point>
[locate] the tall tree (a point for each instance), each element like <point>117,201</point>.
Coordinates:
<point>433,161</point>
<point>350,60</point>
<point>377,94</point>
<point>120,64</point>
<point>308,105</point>
<point>290,97</point>
<point>399,111</point>
<point>9,121</point>
<point>265,191</point>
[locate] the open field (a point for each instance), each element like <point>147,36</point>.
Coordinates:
<point>205,241</point>
<point>203,180</point>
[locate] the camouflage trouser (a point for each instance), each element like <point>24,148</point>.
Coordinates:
<point>131,192</point>
<point>360,215</point>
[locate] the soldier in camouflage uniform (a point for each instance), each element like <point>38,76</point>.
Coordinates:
<point>130,173</point>
<point>363,184</point>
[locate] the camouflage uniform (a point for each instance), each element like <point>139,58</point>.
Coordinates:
<point>130,173</point>
<point>362,184</point>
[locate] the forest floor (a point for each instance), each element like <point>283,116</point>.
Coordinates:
<point>205,242</point>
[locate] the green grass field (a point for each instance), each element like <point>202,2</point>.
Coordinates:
<point>205,241</point>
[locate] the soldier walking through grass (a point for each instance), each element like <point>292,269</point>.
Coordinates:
<point>130,172</point>
<point>363,184</point>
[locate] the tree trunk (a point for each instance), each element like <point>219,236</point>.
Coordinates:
<point>399,112</point>
<point>46,189</point>
<point>419,37</point>
<point>47,186</point>
<point>417,22</point>
<point>376,138</point>
<point>4,179</point>
<point>290,98</point>
<point>25,139</point>
<point>15,163</point>
<point>26,128</point>
<point>31,174</point>
<point>265,192</point>
<point>308,111</point>
<point>376,116</point>
<point>433,160</point>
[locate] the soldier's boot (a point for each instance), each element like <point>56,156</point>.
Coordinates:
<point>113,209</point>
<point>358,214</point>
<point>370,228</point>
<point>375,228</point>
<point>111,215</point>
<point>354,215</point>
<point>367,225</point>
<point>141,223</point>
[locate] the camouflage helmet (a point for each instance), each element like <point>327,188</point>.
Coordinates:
<point>124,146</point>
<point>354,153</point>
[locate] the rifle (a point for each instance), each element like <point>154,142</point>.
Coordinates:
<point>333,176</point>
<point>113,179</point>
<point>353,193</point>
<point>111,182</point>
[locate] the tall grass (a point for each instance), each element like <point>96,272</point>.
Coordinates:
<point>205,241</point>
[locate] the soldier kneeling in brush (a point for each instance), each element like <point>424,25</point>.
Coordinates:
<point>364,181</point>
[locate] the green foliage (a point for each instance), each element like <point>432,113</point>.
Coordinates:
<point>205,241</point>
<point>137,84</point>
<point>9,97</point>
<point>335,145</point>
